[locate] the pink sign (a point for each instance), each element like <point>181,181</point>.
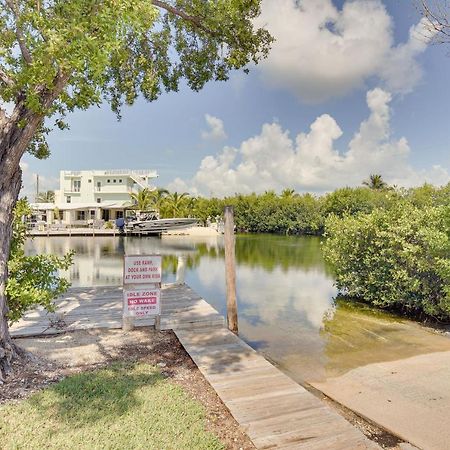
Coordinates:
<point>142,302</point>
<point>139,269</point>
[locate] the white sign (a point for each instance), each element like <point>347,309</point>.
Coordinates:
<point>142,302</point>
<point>139,269</point>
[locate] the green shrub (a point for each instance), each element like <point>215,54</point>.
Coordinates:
<point>394,258</point>
<point>357,200</point>
<point>32,280</point>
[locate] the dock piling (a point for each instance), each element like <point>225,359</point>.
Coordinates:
<point>230,269</point>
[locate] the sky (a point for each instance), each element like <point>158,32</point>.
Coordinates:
<point>350,88</point>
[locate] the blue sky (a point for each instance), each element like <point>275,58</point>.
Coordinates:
<point>377,99</point>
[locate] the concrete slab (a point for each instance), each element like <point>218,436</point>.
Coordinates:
<point>409,397</point>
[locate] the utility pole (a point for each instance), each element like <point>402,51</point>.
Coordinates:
<point>37,188</point>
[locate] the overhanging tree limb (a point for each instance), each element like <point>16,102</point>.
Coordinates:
<point>437,17</point>
<point>196,21</point>
<point>19,33</point>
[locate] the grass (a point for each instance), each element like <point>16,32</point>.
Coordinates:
<point>121,407</point>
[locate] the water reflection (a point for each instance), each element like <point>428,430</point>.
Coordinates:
<point>285,298</point>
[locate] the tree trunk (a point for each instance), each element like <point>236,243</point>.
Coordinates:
<point>14,140</point>
<point>16,133</point>
<point>9,191</point>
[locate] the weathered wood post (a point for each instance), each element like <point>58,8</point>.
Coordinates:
<point>127,322</point>
<point>230,269</point>
<point>181,269</point>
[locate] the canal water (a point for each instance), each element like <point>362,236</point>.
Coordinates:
<point>286,298</point>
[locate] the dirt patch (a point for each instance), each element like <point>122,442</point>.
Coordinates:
<point>49,359</point>
<point>30,374</point>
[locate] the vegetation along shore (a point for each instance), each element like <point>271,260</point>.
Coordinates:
<point>388,246</point>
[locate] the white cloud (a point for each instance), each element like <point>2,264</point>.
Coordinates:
<point>216,131</point>
<point>322,52</point>
<point>310,161</point>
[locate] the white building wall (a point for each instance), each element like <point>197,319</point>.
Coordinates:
<point>96,194</point>
<point>92,186</point>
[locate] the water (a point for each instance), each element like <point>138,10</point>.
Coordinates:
<point>285,297</point>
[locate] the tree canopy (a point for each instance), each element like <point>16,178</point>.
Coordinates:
<point>59,55</point>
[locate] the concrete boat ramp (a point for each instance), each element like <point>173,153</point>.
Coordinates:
<point>275,411</point>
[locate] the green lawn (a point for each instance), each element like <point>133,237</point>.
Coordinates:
<point>122,407</point>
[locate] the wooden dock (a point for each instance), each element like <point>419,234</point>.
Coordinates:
<point>74,232</point>
<point>275,411</point>
<point>101,307</point>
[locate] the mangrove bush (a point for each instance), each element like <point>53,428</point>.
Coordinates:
<point>33,280</point>
<point>396,258</point>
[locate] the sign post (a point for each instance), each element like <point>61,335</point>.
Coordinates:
<point>141,288</point>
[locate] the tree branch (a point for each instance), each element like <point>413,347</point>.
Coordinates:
<point>19,33</point>
<point>437,19</point>
<point>5,78</point>
<point>196,21</point>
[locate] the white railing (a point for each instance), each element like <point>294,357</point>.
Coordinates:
<point>140,173</point>
<point>72,173</point>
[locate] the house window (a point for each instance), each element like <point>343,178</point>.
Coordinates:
<point>120,181</point>
<point>81,215</point>
<point>119,214</point>
<point>99,200</point>
<point>92,212</point>
<point>76,185</point>
<point>89,181</point>
<point>114,181</point>
<point>99,186</point>
<point>109,181</point>
<point>68,199</point>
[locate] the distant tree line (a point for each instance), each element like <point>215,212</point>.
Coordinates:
<point>290,212</point>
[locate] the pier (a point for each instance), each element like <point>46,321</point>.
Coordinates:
<point>72,231</point>
<point>275,411</point>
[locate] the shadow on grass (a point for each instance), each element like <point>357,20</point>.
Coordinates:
<point>98,395</point>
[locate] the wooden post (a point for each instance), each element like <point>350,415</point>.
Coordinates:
<point>127,323</point>
<point>230,269</point>
<point>181,269</point>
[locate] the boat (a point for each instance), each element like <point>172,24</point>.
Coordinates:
<point>149,223</point>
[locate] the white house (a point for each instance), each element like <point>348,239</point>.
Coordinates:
<point>93,195</point>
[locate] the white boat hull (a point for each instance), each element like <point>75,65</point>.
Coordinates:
<point>158,225</point>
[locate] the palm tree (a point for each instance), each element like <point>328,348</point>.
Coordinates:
<point>45,197</point>
<point>159,195</point>
<point>174,202</point>
<point>148,198</point>
<point>288,193</point>
<point>190,206</point>
<point>375,182</point>
<point>143,200</point>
